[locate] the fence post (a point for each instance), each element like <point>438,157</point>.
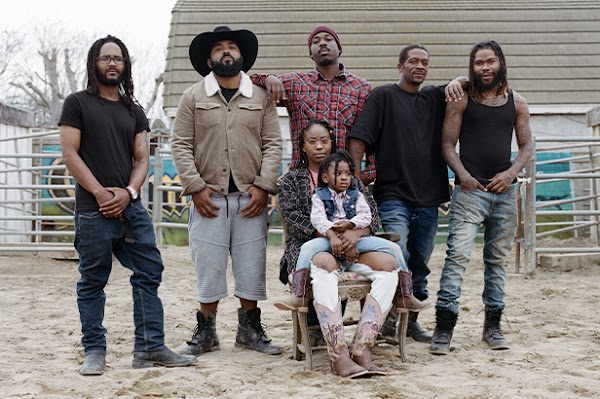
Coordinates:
<point>520,226</point>
<point>157,195</point>
<point>529,229</point>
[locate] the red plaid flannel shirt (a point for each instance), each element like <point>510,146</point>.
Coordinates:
<point>311,97</point>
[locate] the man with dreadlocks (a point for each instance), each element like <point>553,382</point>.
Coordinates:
<point>485,189</point>
<point>104,145</point>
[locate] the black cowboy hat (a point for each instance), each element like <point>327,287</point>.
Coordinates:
<point>203,43</point>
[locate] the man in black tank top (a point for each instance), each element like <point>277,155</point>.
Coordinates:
<point>485,192</point>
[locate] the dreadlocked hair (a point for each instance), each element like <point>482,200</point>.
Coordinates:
<point>320,122</point>
<point>126,87</point>
<point>474,91</point>
<point>335,159</point>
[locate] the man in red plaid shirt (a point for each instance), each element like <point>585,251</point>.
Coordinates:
<point>328,92</point>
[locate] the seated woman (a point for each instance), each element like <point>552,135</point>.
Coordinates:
<point>295,192</point>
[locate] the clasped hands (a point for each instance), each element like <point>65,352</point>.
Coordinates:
<point>343,242</point>
<point>113,201</point>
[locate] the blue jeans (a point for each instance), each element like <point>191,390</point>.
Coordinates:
<point>132,240</point>
<point>366,244</point>
<point>417,228</point>
<point>468,210</point>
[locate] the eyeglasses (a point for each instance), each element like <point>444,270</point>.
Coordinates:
<point>106,59</point>
<point>322,140</point>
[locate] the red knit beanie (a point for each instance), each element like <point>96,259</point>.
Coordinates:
<point>324,28</point>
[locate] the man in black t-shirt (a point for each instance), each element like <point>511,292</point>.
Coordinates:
<point>104,146</point>
<point>402,125</point>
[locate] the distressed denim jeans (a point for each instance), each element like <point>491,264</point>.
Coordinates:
<point>417,228</point>
<point>469,210</point>
<point>132,241</point>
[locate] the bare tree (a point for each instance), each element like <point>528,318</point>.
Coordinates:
<point>42,82</point>
<point>10,46</point>
<point>46,80</point>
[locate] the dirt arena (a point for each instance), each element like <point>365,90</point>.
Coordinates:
<point>551,320</point>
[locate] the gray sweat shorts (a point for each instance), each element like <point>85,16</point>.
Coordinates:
<point>212,240</point>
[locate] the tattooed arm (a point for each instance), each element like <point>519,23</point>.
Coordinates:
<point>450,134</point>
<point>503,180</point>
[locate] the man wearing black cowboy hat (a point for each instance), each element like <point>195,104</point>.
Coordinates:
<point>227,150</point>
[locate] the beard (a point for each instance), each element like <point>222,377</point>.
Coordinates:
<point>498,77</point>
<point>326,61</point>
<point>228,70</point>
<point>109,81</point>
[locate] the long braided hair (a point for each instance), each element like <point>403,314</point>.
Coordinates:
<point>320,122</point>
<point>335,159</point>
<point>126,87</point>
<point>474,91</point>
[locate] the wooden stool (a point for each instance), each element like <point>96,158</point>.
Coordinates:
<point>353,287</point>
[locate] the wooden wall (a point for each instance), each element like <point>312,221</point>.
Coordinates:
<point>552,47</point>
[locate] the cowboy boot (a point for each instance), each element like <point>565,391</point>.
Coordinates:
<point>297,300</point>
<point>404,294</point>
<point>492,333</point>
<point>332,326</point>
<point>367,329</point>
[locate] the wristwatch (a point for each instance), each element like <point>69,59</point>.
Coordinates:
<point>132,193</point>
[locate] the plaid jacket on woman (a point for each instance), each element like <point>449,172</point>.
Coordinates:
<point>294,195</point>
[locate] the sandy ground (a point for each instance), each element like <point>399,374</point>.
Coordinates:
<point>553,325</point>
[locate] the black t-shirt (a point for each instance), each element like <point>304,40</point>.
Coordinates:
<point>228,94</point>
<point>405,131</point>
<point>108,129</point>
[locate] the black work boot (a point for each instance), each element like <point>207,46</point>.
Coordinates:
<point>442,335</point>
<point>204,338</point>
<point>492,333</point>
<point>251,334</point>
<point>164,357</point>
<point>414,329</point>
<point>389,328</point>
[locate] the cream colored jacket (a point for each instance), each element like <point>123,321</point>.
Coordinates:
<point>212,138</point>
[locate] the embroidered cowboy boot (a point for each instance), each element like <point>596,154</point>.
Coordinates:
<point>404,294</point>
<point>297,300</point>
<point>367,329</point>
<point>333,332</point>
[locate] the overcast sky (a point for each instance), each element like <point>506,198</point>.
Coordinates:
<point>133,21</point>
<point>143,25</point>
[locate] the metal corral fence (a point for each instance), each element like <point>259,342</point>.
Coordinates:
<point>37,197</point>
<point>25,177</point>
<point>169,210</point>
<point>574,214</point>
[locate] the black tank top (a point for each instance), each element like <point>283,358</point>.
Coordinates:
<point>485,139</point>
